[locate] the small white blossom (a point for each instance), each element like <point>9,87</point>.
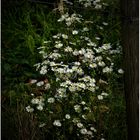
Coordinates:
<point>76,52</point>
<point>45,55</point>
<point>79,125</point>
<point>84,117</point>
<point>83,102</point>
<point>55,36</point>
<point>98,6</point>
<point>52,64</point>
<point>85,29</point>
<point>86,108</point>
<point>75,32</point>
<point>97,38</point>
<point>82,51</point>
<point>105,4</point>
<point>101,28</point>
<point>64,36</point>
<point>55,56</point>
<point>41,52</point>
<point>35,101</point>
<point>101,63</point>
<point>63,17</point>
<point>68,49</point>
<point>57,123</point>
<point>45,42</point>
<point>98,58</point>
<point>75,120</point>
<point>106,46</point>
<point>29,109</point>
<point>92,89</point>
<point>77,63</point>
<point>42,125</point>
<point>32,94</point>
<point>92,44</point>
<point>40,107</point>
<point>93,65</point>
<point>120,71</point>
<point>47,86</point>
<point>43,70</point>
<point>67,116</point>
<point>72,88</point>
<point>72,43</point>
<point>89,133</point>
<point>86,38</point>
<point>83,131</point>
<point>77,108</point>
<point>112,64</point>
<point>100,97</point>
<point>59,45</point>
<point>51,100</point>
<point>82,85</point>
<point>107,70</point>
<point>87,4</point>
<point>68,23</point>
<point>80,71</point>
<point>93,129</point>
<point>104,23</point>
<point>104,94</point>
<point>41,100</point>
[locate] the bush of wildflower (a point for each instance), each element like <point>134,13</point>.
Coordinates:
<point>77,69</point>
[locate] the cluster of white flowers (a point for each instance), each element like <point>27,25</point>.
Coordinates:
<point>72,66</point>
<point>70,19</point>
<point>39,102</point>
<point>68,49</point>
<point>59,35</point>
<point>97,4</point>
<point>58,44</point>
<point>84,131</point>
<point>61,93</point>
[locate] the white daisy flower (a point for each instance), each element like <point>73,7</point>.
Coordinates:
<point>83,131</point>
<point>79,125</point>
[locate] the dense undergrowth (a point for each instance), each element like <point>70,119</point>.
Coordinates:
<point>25,27</point>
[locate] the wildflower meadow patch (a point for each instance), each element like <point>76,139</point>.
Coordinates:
<point>63,70</point>
<point>77,68</point>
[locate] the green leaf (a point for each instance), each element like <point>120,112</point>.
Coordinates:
<point>31,43</point>
<point>71,129</point>
<point>90,116</point>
